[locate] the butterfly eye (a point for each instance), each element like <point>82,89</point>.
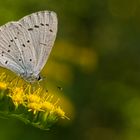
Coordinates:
<point>39,78</point>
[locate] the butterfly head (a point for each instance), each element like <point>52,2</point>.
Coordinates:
<point>32,78</point>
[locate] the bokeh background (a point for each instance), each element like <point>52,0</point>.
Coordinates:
<point>95,60</point>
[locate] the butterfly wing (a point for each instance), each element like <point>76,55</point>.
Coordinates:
<point>42,27</point>
<point>9,52</point>
<point>16,48</point>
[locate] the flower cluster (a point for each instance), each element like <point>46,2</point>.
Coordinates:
<point>28,103</point>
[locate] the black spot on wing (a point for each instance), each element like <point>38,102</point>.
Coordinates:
<point>36,26</point>
<point>23,45</point>
<point>41,24</point>
<point>2,53</point>
<point>30,29</point>
<point>51,30</point>
<point>6,62</point>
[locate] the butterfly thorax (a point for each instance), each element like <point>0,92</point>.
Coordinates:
<point>31,78</point>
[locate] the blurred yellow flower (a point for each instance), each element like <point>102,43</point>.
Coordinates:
<point>3,85</point>
<point>26,99</point>
<point>60,113</point>
<point>34,107</point>
<point>47,106</point>
<point>33,98</point>
<point>17,95</point>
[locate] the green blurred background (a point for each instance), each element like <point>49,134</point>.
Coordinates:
<point>96,60</point>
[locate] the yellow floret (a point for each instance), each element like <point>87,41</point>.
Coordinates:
<point>33,98</point>
<point>47,106</point>
<point>3,85</point>
<point>60,112</point>
<point>34,107</point>
<point>17,95</point>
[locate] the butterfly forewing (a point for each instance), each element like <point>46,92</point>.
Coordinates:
<point>42,26</point>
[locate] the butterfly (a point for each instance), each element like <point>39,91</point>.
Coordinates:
<point>25,45</point>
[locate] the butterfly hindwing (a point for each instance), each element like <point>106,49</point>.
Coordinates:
<point>16,44</point>
<point>9,52</point>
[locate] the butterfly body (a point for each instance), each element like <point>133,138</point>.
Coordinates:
<point>31,77</point>
<point>25,45</point>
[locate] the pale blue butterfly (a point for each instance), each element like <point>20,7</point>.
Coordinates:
<point>25,45</point>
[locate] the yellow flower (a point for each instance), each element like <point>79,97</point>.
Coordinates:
<point>3,82</point>
<point>17,95</point>
<point>60,113</point>
<point>34,107</point>
<point>47,106</point>
<point>3,76</point>
<point>33,98</point>
<point>3,85</point>
<point>29,99</point>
